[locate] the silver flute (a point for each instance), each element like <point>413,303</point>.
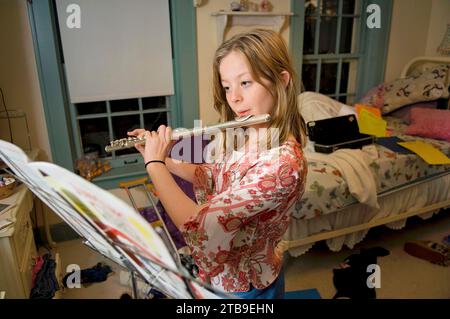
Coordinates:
<point>178,133</point>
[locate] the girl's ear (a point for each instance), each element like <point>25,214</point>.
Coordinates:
<point>286,77</point>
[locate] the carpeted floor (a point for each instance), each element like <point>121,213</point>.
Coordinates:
<point>402,275</point>
<point>310,276</point>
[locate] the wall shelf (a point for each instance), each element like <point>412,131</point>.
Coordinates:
<point>245,18</point>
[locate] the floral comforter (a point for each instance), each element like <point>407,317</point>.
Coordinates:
<point>326,191</point>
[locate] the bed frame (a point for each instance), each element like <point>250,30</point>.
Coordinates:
<point>286,245</point>
<point>423,61</point>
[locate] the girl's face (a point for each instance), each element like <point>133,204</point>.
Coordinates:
<point>244,94</point>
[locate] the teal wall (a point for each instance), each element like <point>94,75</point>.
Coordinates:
<point>52,82</point>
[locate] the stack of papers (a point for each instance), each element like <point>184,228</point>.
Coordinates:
<point>428,152</point>
<point>5,223</point>
<point>370,121</point>
<point>392,144</point>
<point>371,109</point>
<point>3,207</point>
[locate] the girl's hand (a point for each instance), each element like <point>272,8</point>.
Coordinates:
<point>157,144</point>
<point>139,132</point>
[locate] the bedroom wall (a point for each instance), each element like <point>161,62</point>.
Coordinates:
<point>18,76</point>
<point>439,18</point>
<point>409,31</point>
<point>417,28</point>
<point>20,83</point>
<point>207,43</point>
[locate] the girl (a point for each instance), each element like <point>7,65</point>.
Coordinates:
<point>244,200</point>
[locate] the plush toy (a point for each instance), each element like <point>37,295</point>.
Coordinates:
<point>350,280</point>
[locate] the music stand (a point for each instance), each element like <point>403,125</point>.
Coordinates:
<point>109,225</point>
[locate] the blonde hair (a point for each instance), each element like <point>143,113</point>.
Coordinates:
<point>267,57</point>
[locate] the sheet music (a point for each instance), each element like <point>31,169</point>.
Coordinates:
<point>120,222</point>
<point>18,162</point>
<point>107,210</point>
<point>111,226</point>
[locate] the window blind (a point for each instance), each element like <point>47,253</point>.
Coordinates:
<point>122,49</point>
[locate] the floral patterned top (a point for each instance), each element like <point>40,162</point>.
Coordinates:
<point>246,207</point>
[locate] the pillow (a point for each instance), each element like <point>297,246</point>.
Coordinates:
<point>430,123</point>
<point>315,106</point>
<point>443,71</point>
<point>404,112</point>
<point>429,85</point>
<point>374,97</point>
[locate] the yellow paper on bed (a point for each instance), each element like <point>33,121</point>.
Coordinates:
<point>428,152</point>
<point>371,124</point>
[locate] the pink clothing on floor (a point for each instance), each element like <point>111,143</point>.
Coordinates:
<point>36,268</point>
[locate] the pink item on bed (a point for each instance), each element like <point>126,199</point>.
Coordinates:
<point>404,112</point>
<point>374,97</point>
<point>430,123</point>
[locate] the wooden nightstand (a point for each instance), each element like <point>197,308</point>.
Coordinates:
<point>17,247</point>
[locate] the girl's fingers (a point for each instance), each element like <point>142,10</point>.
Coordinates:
<point>136,132</point>
<point>162,132</point>
<point>140,148</point>
<point>149,135</point>
<point>161,128</point>
<point>168,134</point>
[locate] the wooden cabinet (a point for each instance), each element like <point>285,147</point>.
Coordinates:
<point>17,247</point>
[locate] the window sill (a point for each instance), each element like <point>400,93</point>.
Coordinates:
<point>111,179</point>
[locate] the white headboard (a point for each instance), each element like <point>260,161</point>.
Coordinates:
<point>422,62</point>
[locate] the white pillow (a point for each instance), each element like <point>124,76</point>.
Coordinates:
<point>418,87</point>
<point>315,106</point>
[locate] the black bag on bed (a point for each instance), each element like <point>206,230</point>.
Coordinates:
<point>334,133</point>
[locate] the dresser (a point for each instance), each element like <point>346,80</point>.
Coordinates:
<point>17,247</point>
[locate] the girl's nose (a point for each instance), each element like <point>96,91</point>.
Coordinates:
<point>236,96</point>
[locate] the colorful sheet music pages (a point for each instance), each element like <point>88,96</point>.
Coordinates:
<point>110,226</point>
<point>3,207</point>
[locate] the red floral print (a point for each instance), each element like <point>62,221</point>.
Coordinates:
<point>246,210</point>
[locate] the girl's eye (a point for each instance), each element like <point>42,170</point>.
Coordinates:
<point>245,83</point>
<point>226,88</point>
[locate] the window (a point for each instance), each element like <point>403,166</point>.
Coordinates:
<point>332,51</point>
<point>98,123</point>
<point>78,126</point>
<point>122,58</point>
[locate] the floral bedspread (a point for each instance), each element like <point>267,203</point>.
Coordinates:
<point>326,191</point>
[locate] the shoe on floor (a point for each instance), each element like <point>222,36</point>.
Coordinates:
<point>428,250</point>
<point>126,296</point>
<point>98,273</point>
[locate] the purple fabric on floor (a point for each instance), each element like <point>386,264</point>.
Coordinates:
<point>149,213</point>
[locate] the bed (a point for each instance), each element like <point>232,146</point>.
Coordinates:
<point>405,186</point>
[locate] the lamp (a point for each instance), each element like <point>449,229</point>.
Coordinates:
<point>444,48</point>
